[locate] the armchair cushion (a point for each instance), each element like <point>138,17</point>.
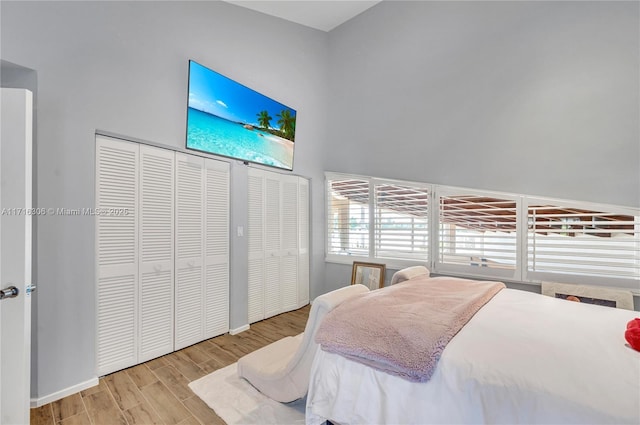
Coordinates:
<point>409,273</point>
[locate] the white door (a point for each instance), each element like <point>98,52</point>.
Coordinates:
<point>155,234</point>
<point>117,254</point>
<point>303,242</point>
<point>255,237</point>
<point>15,255</point>
<point>189,250</point>
<point>216,248</point>
<point>289,243</point>
<point>272,244</point>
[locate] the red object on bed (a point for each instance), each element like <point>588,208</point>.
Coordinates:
<point>632,334</point>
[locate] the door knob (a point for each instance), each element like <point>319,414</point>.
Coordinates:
<point>10,292</point>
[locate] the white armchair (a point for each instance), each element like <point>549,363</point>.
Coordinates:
<point>281,369</point>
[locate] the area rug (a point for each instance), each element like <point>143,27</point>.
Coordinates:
<point>236,401</point>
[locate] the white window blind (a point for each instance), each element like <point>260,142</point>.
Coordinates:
<point>401,221</point>
<point>468,232</point>
<point>348,216</point>
<point>478,230</point>
<point>582,241</point>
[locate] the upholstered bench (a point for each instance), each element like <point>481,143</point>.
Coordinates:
<point>281,369</point>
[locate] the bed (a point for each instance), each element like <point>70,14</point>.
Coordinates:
<point>523,358</point>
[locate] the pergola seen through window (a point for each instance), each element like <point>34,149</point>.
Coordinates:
<point>380,219</point>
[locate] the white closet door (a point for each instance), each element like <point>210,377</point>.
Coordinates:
<point>303,242</point>
<point>216,215</point>
<point>278,238</point>
<point>289,243</point>
<point>255,235</point>
<point>156,288</point>
<point>117,254</point>
<point>272,211</point>
<point>189,250</point>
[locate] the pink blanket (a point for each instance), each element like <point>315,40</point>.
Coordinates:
<point>403,329</point>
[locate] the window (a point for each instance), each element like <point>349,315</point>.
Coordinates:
<point>401,221</point>
<point>348,217</point>
<point>568,238</point>
<point>481,233</point>
<point>477,230</point>
<point>375,218</point>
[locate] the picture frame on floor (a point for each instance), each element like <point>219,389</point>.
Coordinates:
<point>370,275</point>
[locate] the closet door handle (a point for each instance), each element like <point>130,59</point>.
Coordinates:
<point>9,292</point>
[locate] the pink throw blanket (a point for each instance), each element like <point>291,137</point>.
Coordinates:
<point>403,329</point>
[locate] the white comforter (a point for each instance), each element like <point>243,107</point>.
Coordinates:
<point>523,358</point>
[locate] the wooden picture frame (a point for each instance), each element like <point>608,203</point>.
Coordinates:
<point>370,275</point>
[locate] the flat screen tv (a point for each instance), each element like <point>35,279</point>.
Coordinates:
<point>228,119</point>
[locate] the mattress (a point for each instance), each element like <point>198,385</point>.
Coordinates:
<point>523,358</point>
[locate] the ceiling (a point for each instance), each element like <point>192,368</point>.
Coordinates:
<point>321,15</point>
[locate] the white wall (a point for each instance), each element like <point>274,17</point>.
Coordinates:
<point>122,67</point>
<point>539,98</point>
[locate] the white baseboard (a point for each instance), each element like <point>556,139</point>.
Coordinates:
<point>41,401</point>
<point>238,330</point>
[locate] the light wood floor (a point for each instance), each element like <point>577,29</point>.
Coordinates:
<point>156,392</point>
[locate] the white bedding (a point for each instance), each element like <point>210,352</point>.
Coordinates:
<point>523,358</point>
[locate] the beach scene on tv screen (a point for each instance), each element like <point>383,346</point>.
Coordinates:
<point>229,119</point>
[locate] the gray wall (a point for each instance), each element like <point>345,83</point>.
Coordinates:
<point>540,98</point>
<point>121,67</point>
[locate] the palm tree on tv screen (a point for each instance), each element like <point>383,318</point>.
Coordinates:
<point>264,119</point>
<point>287,123</point>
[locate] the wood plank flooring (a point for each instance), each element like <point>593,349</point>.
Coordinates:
<point>157,392</point>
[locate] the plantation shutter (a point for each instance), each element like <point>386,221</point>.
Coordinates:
<point>255,235</point>
<point>477,231</point>
<point>189,250</point>
<point>569,239</point>
<point>216,216</point>
<point>401,221</point>
<point>156,252</point>
<point>117,254</point>
<point>347,216</point>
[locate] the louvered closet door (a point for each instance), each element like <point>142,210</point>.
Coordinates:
<point>216,214</point>
<point>272,282</point>
<point>117,254</point>
<point>255,234</point>
<point>156,252</point>
<point>303,242</point>
<point>189,250</point>
<point>289,243</point>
